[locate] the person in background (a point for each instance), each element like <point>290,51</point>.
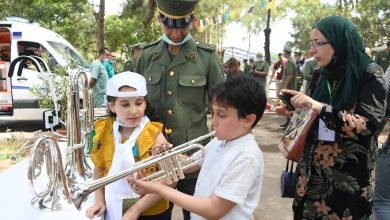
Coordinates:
<point>136,51</point>
<point>381,199</point>
<point>289,76</point>
<point>278,69</point>
<point>308,69</point>
<point>260,70</point>
<point>180,74</point>
<point>234,68</point>
<point>383,57</point>
<point>246,66</point>
<point>99,78</point>
<point>224,190</point>
<point>334,173</point>
<point>113,61</point>
<point>299,61</point>
<point>107,63</point>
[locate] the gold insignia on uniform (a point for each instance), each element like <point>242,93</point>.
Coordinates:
<point>168,131</point>
<point>155,55</point>
<point>191,56</point>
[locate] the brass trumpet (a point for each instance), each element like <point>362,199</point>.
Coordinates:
<point>172,169</point>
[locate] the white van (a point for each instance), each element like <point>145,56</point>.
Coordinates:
<point>20,37</point>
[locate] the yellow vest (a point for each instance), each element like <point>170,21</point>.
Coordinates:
<point>103,149</point>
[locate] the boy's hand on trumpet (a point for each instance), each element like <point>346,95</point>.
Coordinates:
<point>143,187</point>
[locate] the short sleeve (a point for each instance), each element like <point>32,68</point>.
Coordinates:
<point>95,69</point>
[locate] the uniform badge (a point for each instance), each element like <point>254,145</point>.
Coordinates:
<point>155,55</point>
<point>191,56</point>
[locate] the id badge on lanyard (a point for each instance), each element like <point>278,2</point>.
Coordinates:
<point>324,133</point>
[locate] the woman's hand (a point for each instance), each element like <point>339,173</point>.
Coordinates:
<point>300,100</point>
<point>97,209</point>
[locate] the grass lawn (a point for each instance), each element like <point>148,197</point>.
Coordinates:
<point>9,146</point>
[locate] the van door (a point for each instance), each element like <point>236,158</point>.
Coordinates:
<point>6,104</point>
<point>29,78</point>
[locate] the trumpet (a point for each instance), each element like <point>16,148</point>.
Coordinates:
<point>172,169</point>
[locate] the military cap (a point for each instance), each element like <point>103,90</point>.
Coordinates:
<point>288,46</point>
<point>176,13</point>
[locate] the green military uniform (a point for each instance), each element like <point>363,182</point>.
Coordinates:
<point>290,69</point>
<point>298,61</point>
<point>261,66</point>
<point>308,69</point>
<point>177,86</point>
<point>383,59</point>
<point>129,65</point>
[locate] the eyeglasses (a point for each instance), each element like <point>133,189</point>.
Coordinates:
<point>318,44</point>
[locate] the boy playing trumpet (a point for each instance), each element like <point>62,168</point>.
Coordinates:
<point>231,174</point>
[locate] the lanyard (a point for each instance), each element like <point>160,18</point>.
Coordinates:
<point>330,92</point>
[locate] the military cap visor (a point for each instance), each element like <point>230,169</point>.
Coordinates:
<point>175,23</point>
<point>176,9</point>
<point>176,13</point>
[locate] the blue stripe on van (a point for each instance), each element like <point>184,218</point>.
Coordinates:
<point>20,87</point>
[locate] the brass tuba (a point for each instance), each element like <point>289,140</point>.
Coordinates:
<point>44,148</point>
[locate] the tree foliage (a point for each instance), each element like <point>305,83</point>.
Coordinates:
<point>74,20</point>
<point>303,19</point>
<point>371,18</point>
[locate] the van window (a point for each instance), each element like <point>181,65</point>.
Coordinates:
<point>29,48</point>
<point>69,54</point>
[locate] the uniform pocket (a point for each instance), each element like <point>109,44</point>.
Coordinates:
<point>191,89</point>
<point>153,85</point>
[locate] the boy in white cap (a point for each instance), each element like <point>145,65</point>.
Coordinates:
<point>121,140</point>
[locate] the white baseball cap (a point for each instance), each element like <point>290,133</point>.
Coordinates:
<point>131,79</point>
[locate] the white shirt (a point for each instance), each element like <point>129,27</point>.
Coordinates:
<point>232,170</point>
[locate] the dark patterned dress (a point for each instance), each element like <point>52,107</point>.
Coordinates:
<point>334,178</point>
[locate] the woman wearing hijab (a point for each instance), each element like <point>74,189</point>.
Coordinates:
<point>334,172</point>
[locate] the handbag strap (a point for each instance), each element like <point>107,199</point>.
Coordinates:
<point>291,166</point>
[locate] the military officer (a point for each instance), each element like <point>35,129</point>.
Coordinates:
<point>299,61</point>
<point>260,70</point>
<point>130,63</point>
<point>383,57</point>
<point>179,74</point>
<point>290,70</point>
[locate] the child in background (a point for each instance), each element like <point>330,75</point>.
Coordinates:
<point>231,175</point>
<point>120,141</point>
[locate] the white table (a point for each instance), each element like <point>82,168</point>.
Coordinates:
<point>15,196</point>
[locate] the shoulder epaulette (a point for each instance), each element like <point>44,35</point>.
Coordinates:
<point>210,47</point>
<point>149,44</point>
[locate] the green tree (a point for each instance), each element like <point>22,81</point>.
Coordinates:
<point>121,32</point>
<point>72,19</point>
<point>304,19</point>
